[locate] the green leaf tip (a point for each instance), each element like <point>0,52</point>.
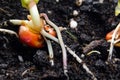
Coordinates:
<point>117,8</point>
<point>25,3</point>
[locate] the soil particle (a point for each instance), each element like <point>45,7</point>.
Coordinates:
<point>92,45</point>
<point>40,58</point>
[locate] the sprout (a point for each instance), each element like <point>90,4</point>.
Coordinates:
<point>35,17</point>
<point>25,3</point>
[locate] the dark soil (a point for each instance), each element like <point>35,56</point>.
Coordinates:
<point>95,20</point>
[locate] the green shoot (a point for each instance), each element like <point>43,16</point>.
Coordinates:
<point>35,17</point>
<point>25,3</point>
<point>117,8</point>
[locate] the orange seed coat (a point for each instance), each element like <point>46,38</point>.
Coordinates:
<point>30,38</point>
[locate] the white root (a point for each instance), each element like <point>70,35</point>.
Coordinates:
<point>18,22</point>
<point>14,22</point>
<point>44,33</point>
<point>70,51</point>
<point>73,54</point>
<point>88,71</point>
<point>116,41</point>
<point>81,62</point>
<point>25,72</point>
<point>78,59</point>
<point>60,42</point>
<point>93,51</point>
<point>9,32</point>
<point>50,50</point>
<point>112,43</point>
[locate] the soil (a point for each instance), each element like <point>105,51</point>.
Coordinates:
<point>95,20</point>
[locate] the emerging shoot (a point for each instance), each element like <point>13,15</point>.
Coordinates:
<point>37,22</point>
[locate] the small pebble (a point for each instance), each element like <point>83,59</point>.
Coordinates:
<point>73,24</point>
<point>49,12</point>
<point>101,1</point>
<point>75,13</point>
<point>57,0</point>
<point>20,58</point>
<point>82,55</point>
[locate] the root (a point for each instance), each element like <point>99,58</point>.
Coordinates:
<point>93,51</point>
<point>112,43</point>
<point>9,32</point>
<point>50,50</point>
<point>81,62</point>
<point>60,41</point>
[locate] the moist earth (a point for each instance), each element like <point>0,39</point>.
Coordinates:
<point>21,62</point>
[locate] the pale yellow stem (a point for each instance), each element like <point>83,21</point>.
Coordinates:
<point>37,21</point>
